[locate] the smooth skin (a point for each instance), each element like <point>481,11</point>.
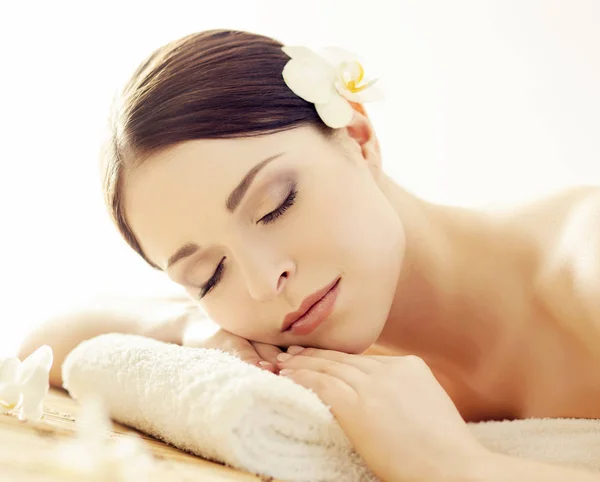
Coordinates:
<point>481,315</point>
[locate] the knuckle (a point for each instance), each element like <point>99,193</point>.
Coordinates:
<point>414,364</point>
<point>328,367</point>
<point>413,360</point>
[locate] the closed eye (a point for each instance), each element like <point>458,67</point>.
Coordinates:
<point>213,281</point>
<point>288,203</point>
<point>269,218</point>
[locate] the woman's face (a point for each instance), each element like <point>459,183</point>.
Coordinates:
<point>254,248</point>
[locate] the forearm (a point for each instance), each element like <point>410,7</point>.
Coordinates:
<point>161,319</point>
<point>503,468</point>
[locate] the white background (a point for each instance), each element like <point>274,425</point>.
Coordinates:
<point>488,102</point>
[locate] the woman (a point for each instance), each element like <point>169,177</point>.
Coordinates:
<point>288,234</point>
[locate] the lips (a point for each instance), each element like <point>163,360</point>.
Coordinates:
<point>306,305</point>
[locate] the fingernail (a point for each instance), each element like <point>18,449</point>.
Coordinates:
<point>283,357</point>
<point>286,371</point>
<point>294,349</point>
<point>263,363</point>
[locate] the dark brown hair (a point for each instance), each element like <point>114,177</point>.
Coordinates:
<point>209,85</point>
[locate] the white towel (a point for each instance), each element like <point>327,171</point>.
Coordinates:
<point>211,404</point>
<point>569,442</point>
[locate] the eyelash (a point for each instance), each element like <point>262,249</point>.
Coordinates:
<point>288,203</point>
<point>269,218</point>
<point>212,282</point>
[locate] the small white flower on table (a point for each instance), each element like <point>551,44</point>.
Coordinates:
<point>329,82</point>
<point>24,385</point>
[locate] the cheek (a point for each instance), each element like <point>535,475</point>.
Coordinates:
<point>357,221</point>
<point>237,317</point>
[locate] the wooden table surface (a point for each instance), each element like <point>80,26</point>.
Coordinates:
<point>24,443</point>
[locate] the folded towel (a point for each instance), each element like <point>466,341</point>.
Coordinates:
<point>211,404</point>
<point>569,442</point>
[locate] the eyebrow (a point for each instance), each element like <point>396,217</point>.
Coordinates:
<point>236,196</point>
<point>233,201</point>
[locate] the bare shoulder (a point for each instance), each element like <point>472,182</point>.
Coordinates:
<point>555,210</point>
<point>565,229</point>
<point>569,237</point>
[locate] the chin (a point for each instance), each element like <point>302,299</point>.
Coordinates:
<point>355,348</point>
<point>351,340</point>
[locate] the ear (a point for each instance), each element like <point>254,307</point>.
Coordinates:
<point>360,131</point>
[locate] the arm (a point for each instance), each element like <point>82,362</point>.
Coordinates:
<point>503,468</point>
<point>162,319</point>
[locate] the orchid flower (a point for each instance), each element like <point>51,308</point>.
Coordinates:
<point>329,82</point>
<point>24,386</point>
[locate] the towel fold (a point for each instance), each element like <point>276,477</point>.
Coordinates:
<point>212,404</point>
<point>570,442</point>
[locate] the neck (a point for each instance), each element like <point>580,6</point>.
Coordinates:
<point>450,306</point>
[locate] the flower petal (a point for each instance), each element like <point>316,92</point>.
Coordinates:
<point>34,390</point>
<point>42,357</point>
<point>372,93</point>
<point>10,394</point>
<point>31,412</point>
<point>310,81</point>
<point>337,55</point>
<point>304,54</point>
<point>336,113</point>
<point>9,370</point>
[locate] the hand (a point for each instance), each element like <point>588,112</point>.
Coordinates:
<point>211,336</point>
<point>393,410</point>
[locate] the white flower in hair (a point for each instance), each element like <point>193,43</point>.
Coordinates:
<point>329,81</point>
<point>24,386</point>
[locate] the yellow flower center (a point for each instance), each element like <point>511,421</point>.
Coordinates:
<point>7,406</point>
<point>352,74</point>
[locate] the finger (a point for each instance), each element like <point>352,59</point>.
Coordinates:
<point>335,393</point>
<point>347,373</point>
<point>363,363</point>
<point>383,358</point>
<point>246,352</point>
<point>267,352</point>
<point>409,362</point>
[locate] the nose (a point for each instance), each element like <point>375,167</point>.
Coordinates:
<point>266,272</point>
